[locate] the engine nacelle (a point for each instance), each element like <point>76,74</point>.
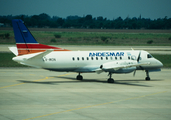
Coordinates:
<point>119,66</point>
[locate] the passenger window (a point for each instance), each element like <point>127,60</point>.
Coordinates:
<point>87,58</point>
<point>91,58</point>
<point>106,58</point>
<point>115,58</point>
<point>149,56</point>
<point>120,58</point>
<point>73,58</point>
<point>101,58</point>
<point>82,58</point>
<point>128,57</point>
<point>96,58</point>
<point>78,58</point>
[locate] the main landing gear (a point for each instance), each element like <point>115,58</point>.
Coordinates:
<point>110,80</point>
<point>147,74</point>
<point>79,77</point>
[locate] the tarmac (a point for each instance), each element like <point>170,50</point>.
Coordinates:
<point>29,93</point>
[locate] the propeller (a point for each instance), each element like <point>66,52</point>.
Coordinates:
<point>138,59</point>
<point>134,72</point>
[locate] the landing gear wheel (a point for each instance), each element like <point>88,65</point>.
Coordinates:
<point>79,77</point>
<point>110,80</point>
<point>147,78</point>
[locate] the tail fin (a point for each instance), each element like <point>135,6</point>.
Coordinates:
<point>25,42</point>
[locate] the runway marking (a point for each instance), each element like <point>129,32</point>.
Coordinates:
<point>18,73</point>
<point>96,105</point>
<point>32,74</point>
<point>35,80</point>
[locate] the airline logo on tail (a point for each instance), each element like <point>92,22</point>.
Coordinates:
<point>26,43</point>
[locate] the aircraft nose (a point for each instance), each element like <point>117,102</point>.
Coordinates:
<point>159,64</point>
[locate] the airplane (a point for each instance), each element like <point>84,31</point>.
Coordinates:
<point>29,52</point>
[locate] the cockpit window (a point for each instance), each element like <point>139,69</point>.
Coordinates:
<point>149,56</point>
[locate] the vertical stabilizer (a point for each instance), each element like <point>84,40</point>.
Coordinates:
<point>25,42</point>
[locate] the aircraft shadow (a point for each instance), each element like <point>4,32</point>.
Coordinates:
<point>47,82</point>
<point>119,82</point>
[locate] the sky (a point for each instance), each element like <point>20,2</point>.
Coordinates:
<point>110,9</point>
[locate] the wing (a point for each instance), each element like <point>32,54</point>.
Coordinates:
<point>119,65</point>
<point>124,66</point>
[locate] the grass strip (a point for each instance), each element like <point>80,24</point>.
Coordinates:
<point>94,38</point>
<point>6,60</point>
<point>165,59</point>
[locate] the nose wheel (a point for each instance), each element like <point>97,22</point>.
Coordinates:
<point>147,74</point>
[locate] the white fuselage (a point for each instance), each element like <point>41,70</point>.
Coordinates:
<point>89,61</point>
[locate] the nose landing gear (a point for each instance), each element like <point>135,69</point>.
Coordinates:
<point>147,74</point>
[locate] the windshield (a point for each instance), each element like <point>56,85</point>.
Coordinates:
<point>149,56</point>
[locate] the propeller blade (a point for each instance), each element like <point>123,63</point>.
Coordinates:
<point>134,72</point>
<point>138,59</point>
<point>139,56</point>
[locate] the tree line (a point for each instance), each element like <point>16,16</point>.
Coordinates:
<point>88,22</point>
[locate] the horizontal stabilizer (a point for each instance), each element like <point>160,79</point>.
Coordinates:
<point>41,55</point>
<point>13,50</point>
